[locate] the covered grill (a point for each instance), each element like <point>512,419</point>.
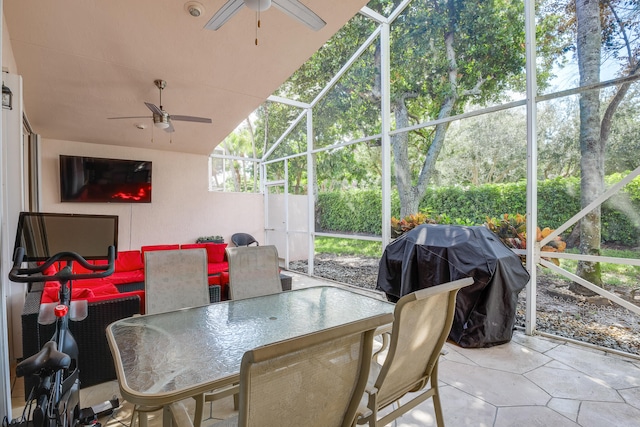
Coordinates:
<point>430,255</point>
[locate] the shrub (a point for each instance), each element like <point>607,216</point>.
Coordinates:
<point>360,211</point>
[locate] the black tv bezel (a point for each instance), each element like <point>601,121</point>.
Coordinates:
<point>28,257</point>
<point>64,199</point>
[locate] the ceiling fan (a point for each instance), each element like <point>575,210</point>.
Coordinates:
<point>293,8</point>
<point>162,119</point>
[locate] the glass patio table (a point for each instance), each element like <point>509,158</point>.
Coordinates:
<point>163,358</point>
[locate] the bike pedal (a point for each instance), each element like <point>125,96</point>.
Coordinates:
<point>106,407</point>
<point>87,417</point>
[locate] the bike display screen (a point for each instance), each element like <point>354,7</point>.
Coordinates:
<point>43,235</point>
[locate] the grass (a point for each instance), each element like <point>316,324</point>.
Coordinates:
<point>612,274</point>
<point>342,246</point>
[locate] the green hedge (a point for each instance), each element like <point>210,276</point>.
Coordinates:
<point>359,211</point>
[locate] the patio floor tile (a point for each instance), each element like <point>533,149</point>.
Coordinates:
<point>572,384</point>
<point>494,386</point>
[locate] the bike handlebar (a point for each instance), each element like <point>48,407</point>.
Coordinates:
<point>30,274</point>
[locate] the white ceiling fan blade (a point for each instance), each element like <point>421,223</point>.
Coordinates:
<point>225,13</point>
<point>191,119</point>
<point>154,109</point>
<point>130,117</point>
<point>302,13</point>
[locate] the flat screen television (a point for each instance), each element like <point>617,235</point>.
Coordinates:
<point>98,180</point>
<point>43,235</point>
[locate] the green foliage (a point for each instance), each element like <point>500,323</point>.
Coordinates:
<point>359,211</point>
<point>401,226</point>
<point>339,246</point>
<point>615,274</point>
<point>355,211</point>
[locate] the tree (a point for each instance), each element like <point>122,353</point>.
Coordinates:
<point>591,143</point>
<point>445,55</point>
<point>623,145</point>
<point>558,129</point>
<point>609,27</point>
<point>470,51</point>
<point>486,149</point>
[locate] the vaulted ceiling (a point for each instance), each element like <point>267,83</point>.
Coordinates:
<point>85,61</point>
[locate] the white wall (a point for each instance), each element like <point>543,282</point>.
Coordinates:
<point>182,208</point>
<point>12,196</point>
<point>6,61</point>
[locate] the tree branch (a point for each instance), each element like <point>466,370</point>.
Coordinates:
<point>474,90</point>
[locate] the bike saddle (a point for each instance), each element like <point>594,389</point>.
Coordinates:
<point>48,358</point>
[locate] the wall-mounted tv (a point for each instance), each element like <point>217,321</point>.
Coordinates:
<point>93,179</point>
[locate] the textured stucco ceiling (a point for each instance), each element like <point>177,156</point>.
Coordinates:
<point>84,61</point>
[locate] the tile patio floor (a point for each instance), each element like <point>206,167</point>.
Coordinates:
<point>530,381</point>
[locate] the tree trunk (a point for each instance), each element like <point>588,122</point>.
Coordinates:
<point>254,153</point>
<point>591,147</point>
<point>410,195</point>
<point>408,201</point>
<point>235,173</point>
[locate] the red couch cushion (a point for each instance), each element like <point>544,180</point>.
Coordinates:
<point>129,261</point>
<point>215,251</point>
<point>50,294</point>
<point>157,248</point>
<point>193,246</point>
<point>218,267</point>
<point>121,277</point>
<point>51,290</point>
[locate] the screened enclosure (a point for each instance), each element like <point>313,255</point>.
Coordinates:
<point>501,113</point>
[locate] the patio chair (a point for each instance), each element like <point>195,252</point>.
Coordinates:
<point>253,271</point>
<point>422,321</point>
<point>313,380</point>
<point>175,279</point>
<point>243,239</point>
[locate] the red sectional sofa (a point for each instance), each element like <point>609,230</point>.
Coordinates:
<point>128,276</point>
<point>115,297</point>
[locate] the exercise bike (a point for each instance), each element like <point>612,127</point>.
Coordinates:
<point>55,400</point>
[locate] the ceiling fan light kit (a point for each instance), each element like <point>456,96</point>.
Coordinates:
<point>293,8</point>
<point>160,122</point>
<point>258,5</point>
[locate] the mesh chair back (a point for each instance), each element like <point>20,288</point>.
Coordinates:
<point>314,380</point>
<point>175,279</point>
<point>421,326</point>
<point>243,239</point>
<point>253,271</point>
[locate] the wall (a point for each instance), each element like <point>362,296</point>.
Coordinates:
<point>7,62</point>
<point>182,208</point>
<point>12,196</point>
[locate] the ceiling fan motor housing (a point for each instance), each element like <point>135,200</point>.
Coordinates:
<point>258,5</point>
<point>161,121</point>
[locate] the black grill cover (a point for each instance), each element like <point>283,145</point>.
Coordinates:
<point>431,255</point>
